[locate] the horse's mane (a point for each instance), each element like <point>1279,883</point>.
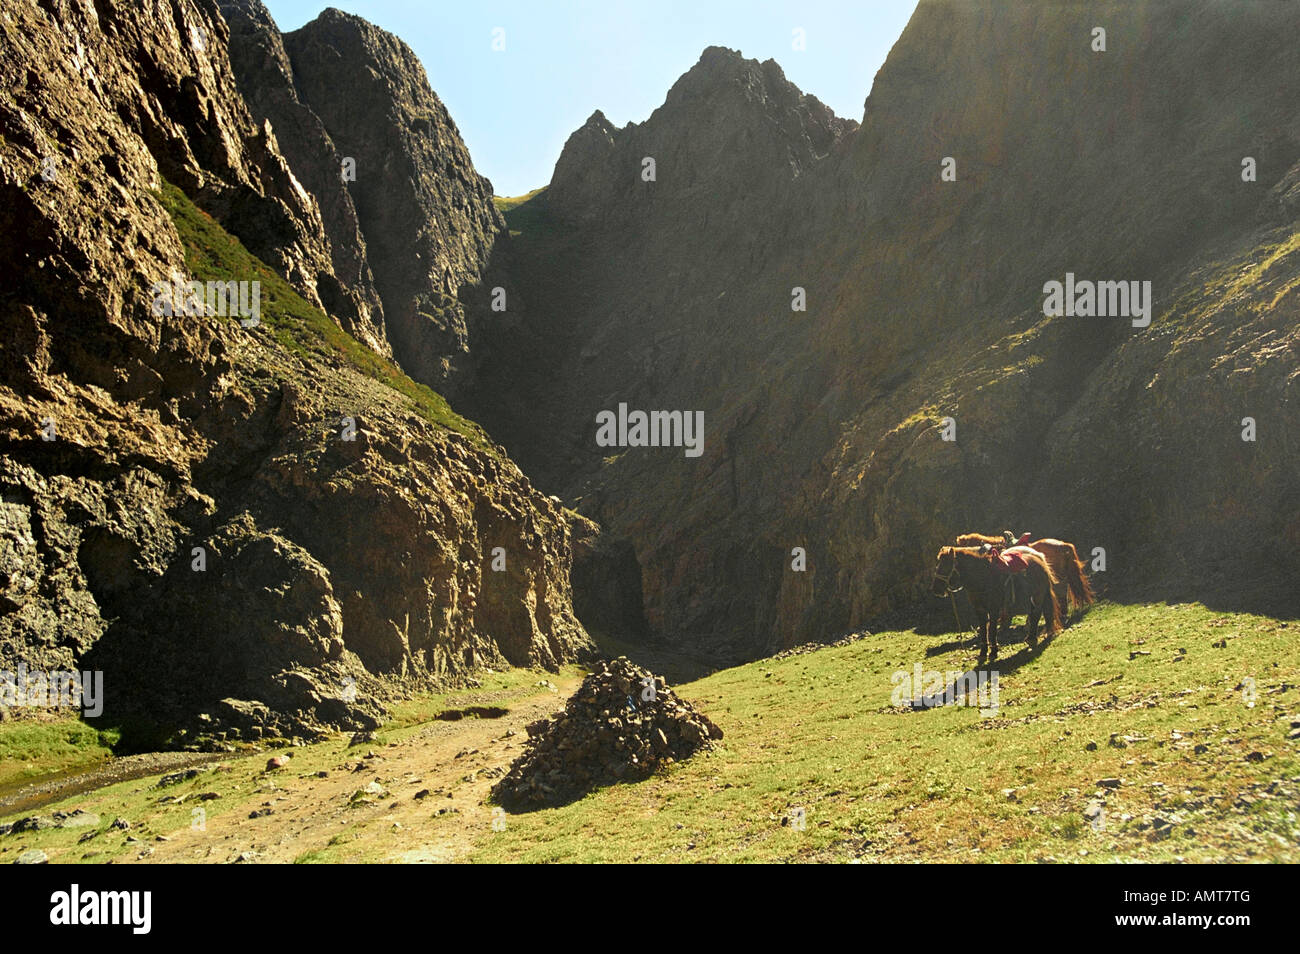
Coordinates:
<point>975,539</point>
<point>971,551</point>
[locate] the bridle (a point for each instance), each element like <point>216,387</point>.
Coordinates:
<point>948,588</point>
<point>951,591</point>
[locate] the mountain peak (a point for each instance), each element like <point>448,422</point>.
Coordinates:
<point>597,120</point>
<point>720,69</point>
<point>726,112</point>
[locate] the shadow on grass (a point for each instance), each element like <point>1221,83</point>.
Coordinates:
<point>575,794</point>
<point>975,684</point>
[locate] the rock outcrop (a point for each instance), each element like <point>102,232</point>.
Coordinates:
<point>727,115</point>
<point>924,301</point>
<point>246,526</point>
<point>265,77</point>
<point>427,216</point>
<point>411,225</point>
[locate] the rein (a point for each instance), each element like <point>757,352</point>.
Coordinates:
<point>952,595</point>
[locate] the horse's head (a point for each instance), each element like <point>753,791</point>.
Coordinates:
<point>946,579</point>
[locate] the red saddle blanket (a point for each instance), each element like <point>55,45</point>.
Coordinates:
<point>1012,560</point>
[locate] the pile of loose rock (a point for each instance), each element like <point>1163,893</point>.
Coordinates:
<point>814,647</point>
<point>621,725</point>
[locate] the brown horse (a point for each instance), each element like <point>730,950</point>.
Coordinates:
<point>1072,585</point>
<point>974,571</point>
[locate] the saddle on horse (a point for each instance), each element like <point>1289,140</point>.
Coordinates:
<point>1010,560</point>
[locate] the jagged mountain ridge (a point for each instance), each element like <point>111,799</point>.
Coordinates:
<point>428,215</point>
<point>262,69</point>
<point>925,301</point>
<point>415,220</point>
<point>822,426</point>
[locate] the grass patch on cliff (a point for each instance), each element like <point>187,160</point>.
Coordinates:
<point>883,783</point>
<point>506,204</point>
<point>525,214</point>
<point>213,254</point>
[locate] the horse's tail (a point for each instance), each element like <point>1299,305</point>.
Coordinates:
<point>1077,580</point>
<point>1052,606</point>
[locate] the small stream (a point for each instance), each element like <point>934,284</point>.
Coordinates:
<point>27,797</point>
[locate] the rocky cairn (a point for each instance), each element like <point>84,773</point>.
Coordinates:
<point>621,725</point>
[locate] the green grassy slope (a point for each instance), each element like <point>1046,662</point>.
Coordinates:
<point>35,748</point>
<point>876,782</point>
<point>1154,700</point>
<point>525,213</point>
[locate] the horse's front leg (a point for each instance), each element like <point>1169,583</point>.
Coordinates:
<point>993,638</point>
<point>982,634</point>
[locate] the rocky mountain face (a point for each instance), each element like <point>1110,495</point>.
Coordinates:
<point>734,107</point>
<point>660,295</point>
<point>247,526</point>
<point>412,224</point>
<point>824,428</point>
<point>428,217</point>
<point>265,77</point>
<point>268,527</point>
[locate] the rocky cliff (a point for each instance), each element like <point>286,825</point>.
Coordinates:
<point>268,526</point>
<point>249,523</point>
<point>265,78</point>
<point>412,225</point>
<point>427,215</point>
<point>924,301</point>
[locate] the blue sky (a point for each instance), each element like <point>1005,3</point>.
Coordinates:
<point>565,58</point>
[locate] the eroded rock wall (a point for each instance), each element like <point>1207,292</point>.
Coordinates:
<point>137,446</point>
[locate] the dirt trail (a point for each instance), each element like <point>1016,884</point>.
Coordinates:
<point>456,762</point>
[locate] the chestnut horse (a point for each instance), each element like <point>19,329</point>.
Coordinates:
<point>976,572</point>
<point>1072,585</point>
